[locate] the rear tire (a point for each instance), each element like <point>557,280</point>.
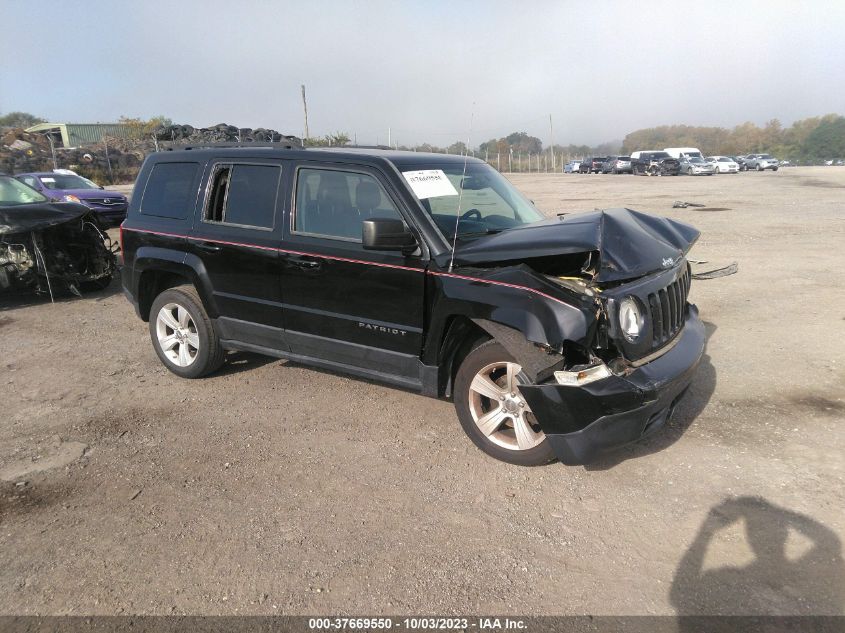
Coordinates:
<point>182,334</point>
<point>492,411</point>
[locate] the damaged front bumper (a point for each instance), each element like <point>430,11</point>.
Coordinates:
<point>581,422</point>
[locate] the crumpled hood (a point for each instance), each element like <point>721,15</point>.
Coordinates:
<point>629,244</point>
<point>35,217</point>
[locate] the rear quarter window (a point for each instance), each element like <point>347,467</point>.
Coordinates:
<point>170,191</point>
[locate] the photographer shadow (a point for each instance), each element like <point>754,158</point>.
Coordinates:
<point>777,582</point>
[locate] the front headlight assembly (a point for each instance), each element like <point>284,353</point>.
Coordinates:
<point>631,319</point>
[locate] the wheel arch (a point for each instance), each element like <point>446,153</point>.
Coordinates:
<point>158,269</point>
<point>533,331</point>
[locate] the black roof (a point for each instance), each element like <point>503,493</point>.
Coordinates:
<point>397,157</point>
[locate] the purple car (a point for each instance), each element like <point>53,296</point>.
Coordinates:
<point>108,206</point>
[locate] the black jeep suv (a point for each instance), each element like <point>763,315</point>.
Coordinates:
<point>555,337</point>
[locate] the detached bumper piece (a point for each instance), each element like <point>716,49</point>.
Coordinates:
<point>583,422</point>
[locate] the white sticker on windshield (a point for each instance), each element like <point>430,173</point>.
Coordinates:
<point>48,180</point>
<point>430,183</point>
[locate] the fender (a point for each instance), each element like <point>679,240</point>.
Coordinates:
<point>190,266</point>
<point>529,316</point>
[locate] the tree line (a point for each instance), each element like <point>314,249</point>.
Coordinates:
<point>810,140</point>
<point>807,141</point>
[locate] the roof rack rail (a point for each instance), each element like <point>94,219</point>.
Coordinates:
<point>365,146</point>
<point>234,144</point>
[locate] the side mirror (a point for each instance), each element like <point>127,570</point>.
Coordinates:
<point>384,234</point>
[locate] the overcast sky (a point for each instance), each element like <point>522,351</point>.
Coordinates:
<point>425,69</point>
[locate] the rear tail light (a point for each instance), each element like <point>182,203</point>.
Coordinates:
<point>120,237</point>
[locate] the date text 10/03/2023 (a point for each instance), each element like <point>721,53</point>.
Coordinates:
<point>417,624</point>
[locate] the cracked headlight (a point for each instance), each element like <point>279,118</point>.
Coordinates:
<point>70,198</point>
<point>631,319</point>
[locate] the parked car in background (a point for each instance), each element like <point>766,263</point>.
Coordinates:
<point>683,152</point>
<point>617,165</point>
<point>740,160</point>
<point>723,164</point>
<point>571,167</point>
<point>591,165</point>
<point>695,166</point>
<point>654,163</point>
<point>761,162</point>
<point>109,207</point>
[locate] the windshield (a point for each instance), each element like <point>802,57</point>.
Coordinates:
<point>488,204</point>
<point>652,155</point>
<point>696,159</point>
<point>67,181</point>
<point>725,159</point>
<point>13,193</point>
<point>765,155</point>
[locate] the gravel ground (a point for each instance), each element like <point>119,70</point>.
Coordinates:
<point>273,488</point>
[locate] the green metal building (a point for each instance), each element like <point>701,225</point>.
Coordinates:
<point>76,134</point>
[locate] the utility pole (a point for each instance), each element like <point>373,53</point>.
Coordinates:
<point>552,142</point>
<point>305,110</point>
<point>108,161</point>
<point>389,144</point>
<point>52,149</point>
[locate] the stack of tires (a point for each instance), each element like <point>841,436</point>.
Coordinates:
<point>221,133</point>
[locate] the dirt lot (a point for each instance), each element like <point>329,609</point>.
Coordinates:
<point>273,488</point>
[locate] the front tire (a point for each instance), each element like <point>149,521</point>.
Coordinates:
<point>182,334</point>
<point>493,412</point>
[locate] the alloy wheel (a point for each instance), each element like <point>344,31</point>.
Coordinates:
<point>177,335</point>
<point>499,409</point>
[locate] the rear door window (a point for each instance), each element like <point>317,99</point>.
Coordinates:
<point>243,195</point>
<point>170,191</point>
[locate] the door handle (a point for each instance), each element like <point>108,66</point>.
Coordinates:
<point>307,264</point>
<point>208,246</point>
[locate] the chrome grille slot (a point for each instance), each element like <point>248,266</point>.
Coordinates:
<point>666,308</point>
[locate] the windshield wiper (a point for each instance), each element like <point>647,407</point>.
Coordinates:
<point>478,233</point>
